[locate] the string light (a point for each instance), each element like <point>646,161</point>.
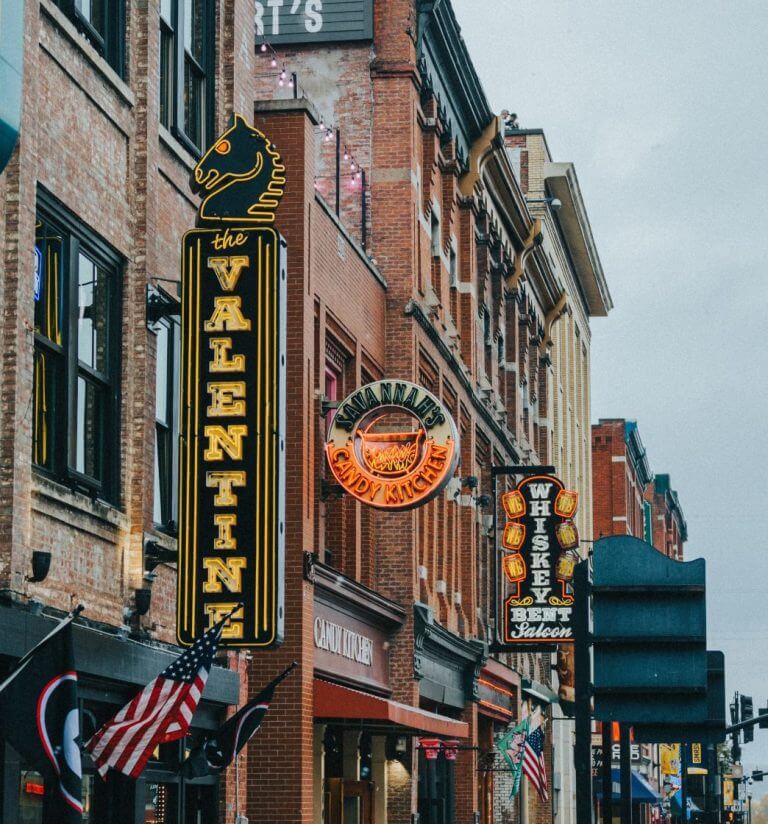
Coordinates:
<point>326,130</point>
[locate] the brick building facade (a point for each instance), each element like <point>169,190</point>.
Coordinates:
<point>432,269</point>
<point>669,530</point>
<point>620,474</point>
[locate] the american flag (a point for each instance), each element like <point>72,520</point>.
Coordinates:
<point>161,712</point>
<point>533,762</point>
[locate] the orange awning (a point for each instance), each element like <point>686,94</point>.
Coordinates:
<point>334,701</point>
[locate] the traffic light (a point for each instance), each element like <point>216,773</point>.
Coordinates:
<point>764,723</point>
<point>734,707</point>
<point>649,635</point>
<point>757,775</point>
<point>747,712</point>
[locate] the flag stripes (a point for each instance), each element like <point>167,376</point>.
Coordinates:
<point>533,762</point>
<point>160,713</point>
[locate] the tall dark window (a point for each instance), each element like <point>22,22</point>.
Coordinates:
<point>186,70</point>
<point>76,359</point>
<point>103,23</point>
<point>167,424</point>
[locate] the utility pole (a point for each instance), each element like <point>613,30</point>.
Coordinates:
<point>625,773</point>
<point>684,781</point>
<point>583,683</point>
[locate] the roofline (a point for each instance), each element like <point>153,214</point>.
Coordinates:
<point>563,183</point>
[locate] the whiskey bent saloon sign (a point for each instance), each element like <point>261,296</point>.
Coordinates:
<point>392,445</point>
<point>538,556</point>
<point>232,448</point>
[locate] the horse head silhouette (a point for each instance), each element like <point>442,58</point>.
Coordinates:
<point>243,176</point>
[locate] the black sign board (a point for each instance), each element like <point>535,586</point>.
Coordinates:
<point>232,447</point>
<point>537,556</point>
<point>313,21</point>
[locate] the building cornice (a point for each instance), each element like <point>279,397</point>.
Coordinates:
<point>576,231</point>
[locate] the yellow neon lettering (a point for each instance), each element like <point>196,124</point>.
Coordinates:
<point>230,438</point>
<point>227,316</point>
<point>225,524</point>
<point>224,395</point>
<point>222,362</point>
<point>217,611</point>
<point>228,573</point>
<point>228,269</point>
<point>224,481</point>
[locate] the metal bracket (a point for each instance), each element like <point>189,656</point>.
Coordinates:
<point>327,406</point>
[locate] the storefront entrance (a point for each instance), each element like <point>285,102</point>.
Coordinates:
<point>348,802</point>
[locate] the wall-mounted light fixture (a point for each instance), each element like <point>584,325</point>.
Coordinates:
<point>143,599</point>
<point>554,203</point>
<point>160,304</point>
<point>41,563</point>
<point>155,554</point>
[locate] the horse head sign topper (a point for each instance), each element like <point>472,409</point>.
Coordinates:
<point>241,177</point>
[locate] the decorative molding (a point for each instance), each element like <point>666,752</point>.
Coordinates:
<point>334,588</point>
<point>431,639</point>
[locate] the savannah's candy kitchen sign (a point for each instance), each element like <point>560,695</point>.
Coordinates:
<point>538,555</point>
<point>232,448</point>
<point>392,445</point>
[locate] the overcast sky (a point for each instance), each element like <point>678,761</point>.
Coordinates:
<point>663,107</point>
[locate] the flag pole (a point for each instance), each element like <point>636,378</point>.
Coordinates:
<point>63,623</point>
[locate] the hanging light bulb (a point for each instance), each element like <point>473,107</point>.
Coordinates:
<point>282,74</point>
<point>263,47</point>
<point>290,82</point>
<point>352,165</point>
<point>357,176</point>
<point>274,62</point>
<point>346,154</point>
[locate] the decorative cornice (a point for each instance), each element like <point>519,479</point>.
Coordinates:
<point>471,655</point>
<point>336,589</point>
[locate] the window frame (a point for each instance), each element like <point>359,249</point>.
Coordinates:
<point>176,82</point>
<point>77,238</point>
<point>111,44</point>
<point>170,431</point>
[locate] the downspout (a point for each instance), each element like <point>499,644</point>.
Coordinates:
<point>553,316</point>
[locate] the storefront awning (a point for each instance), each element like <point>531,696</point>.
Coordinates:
<point>336,702</point>
<point>642,791</point>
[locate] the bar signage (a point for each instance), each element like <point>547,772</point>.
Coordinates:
<point>313,21</point>
<point>232,448</point>
<point>539,552</point>
<point>392,445</point>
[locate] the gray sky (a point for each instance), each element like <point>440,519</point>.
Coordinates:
<point>662,107</point>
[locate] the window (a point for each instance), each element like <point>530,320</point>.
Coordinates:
<point>76,358</point>
<point>103,23</point>
<point>435,226</point>
<point>186,70</point>
<point>452,270</point>
<point>166,481</point>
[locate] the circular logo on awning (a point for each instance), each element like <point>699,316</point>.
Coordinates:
<point>393,445</point>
